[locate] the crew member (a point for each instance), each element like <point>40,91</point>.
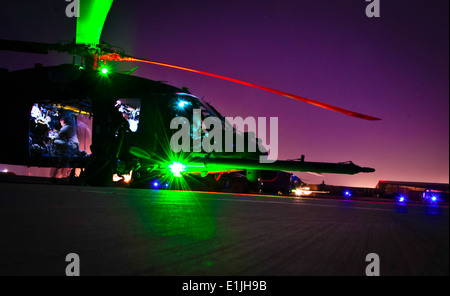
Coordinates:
<point>66,142</point>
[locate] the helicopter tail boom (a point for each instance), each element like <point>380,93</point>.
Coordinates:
<point>217,164</point>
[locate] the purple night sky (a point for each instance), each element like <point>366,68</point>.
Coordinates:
<point>395,67</point>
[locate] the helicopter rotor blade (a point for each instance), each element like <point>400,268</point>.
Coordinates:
<point>92,16</point>
<point>282,93</point>
<point>25,46</point>
<point>90,21</point>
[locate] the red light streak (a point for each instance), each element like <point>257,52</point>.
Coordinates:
<point>117,57</point>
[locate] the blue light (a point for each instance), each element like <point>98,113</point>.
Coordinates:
<point>167,184</point>
<point>347,193</point>
<point>433,198</point>
<point>155,184</point>
<point>182,104</point>
<point>401,198</point>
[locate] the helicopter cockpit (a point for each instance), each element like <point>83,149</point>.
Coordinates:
<point>130,110</point>
<point>184,101</point>
<point>185,104</point>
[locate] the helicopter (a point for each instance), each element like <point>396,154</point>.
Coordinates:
<point>120,122</point>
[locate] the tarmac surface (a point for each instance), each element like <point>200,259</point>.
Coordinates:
<point>120,231</point>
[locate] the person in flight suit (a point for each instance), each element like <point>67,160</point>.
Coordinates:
<point>66,143</point>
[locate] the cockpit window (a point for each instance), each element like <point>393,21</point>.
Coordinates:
<point>130,110</point>
<point>185,103</point>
